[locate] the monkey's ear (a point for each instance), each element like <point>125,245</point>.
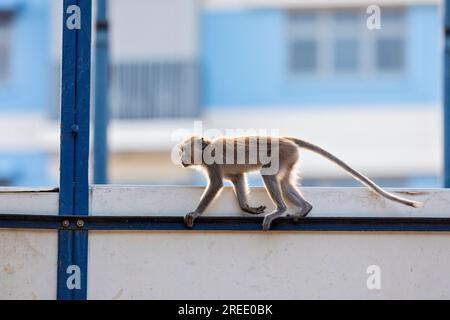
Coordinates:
<point>204,144</point>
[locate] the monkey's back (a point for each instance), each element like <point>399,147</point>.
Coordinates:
<point>251,153</point>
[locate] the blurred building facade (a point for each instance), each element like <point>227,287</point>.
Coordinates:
<point>25,92</point>
<point>372,96</point>
<point>303,68</point>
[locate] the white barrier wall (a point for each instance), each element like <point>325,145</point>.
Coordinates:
<point>267,266</point>
<point>233,265</point>
<point>28,259</point>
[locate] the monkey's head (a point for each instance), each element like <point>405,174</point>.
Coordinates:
<point>191,151</point>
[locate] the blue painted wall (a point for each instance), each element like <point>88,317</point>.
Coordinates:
<point>25,169</point>
<point>28,89</point>
<point>244,56</point>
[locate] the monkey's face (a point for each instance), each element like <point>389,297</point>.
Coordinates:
<point>191,151</point>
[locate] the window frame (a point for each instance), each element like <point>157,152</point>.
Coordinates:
<point>325,32</point>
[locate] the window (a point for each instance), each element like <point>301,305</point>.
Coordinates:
<point>389,54</point>
<point>336,42</point>
<point>346,56</point>
<point>304,56</point>
<point>5,46</point>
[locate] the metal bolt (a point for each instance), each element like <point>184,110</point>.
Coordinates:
<point>75,129</point>
<point>66,223</point>
<point>80,223</point>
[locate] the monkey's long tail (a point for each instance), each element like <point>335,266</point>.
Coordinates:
<point>355,174</point>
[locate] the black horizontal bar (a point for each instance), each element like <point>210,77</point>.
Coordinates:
<point>155,223</point>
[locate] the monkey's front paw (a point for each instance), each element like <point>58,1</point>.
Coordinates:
<point>257,210</point>
<point>189,219</point>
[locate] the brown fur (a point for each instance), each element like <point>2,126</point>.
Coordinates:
<point>246,154</point>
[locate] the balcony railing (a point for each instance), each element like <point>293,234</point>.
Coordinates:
<point>150,90</point>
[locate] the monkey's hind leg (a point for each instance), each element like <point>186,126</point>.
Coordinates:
<point>273,187</point>
<point>294,196</point>
<point>291,193</point>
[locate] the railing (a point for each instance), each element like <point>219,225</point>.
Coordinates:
<point>154,90</point>
<point>149,90</point>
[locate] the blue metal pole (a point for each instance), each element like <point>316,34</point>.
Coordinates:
<point>101,95</point>
<point>447,96</point>
<point>74,158</point>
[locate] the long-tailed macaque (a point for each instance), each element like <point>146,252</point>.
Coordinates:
<point>231,158</point>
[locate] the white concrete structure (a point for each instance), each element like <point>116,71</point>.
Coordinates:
<point>142,29</point>
<point>225,4</point>
<point>362,137</point>
<point>231,265</point>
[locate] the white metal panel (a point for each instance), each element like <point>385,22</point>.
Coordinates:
<point>177,200</point>
<point>255,265</point>
<point>29,201</point>
<point>327,202</point>
<point>28,258</point>
<point>267,266</point>
<point>28,263</point>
